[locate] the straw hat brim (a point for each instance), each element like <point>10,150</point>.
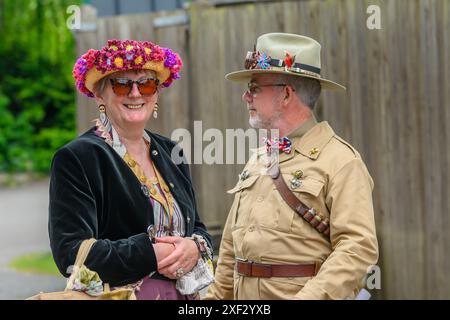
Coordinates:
<point>246,75</point>
<point>162,73</point>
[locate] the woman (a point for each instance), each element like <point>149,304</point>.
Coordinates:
<point>117,183</point>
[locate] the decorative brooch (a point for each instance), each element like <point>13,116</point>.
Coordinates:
<point>244,175</point>
<point>282,144</point>
<point>288,61</point>
<point>256,60</point>
<point>263,61</point>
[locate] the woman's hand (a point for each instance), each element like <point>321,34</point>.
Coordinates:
<point>162,250</point>
<point>184,256</point>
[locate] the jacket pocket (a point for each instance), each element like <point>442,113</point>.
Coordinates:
<point>310,186</point>
<point>243,184</point>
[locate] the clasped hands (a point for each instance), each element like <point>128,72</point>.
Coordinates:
<point>175,254</point>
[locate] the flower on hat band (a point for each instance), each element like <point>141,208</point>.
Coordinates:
<point>257,60</point>
<point>263,61</point>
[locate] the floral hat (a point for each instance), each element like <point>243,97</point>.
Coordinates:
<point>122,55</point>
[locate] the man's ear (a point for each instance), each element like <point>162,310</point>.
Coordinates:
<point>288,94</point>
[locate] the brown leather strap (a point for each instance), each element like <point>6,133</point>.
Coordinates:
<point>315,219</point>
<point>263,270</point>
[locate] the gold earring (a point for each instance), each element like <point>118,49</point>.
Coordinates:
<point>102,111</point>
<point>155,111</point>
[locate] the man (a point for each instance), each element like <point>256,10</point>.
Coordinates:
<point>304,227</point>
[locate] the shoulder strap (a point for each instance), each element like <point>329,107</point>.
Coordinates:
<point>315,219</point>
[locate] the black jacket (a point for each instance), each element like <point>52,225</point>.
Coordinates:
<point>94,194</point>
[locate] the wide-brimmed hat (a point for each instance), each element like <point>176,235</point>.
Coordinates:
<point>123,55</point>
<point>284,53</point>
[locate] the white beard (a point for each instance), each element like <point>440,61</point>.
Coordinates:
<point>255,122</point>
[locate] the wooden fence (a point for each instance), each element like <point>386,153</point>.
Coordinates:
<point>395,110</point>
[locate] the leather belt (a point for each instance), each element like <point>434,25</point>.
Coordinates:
<point>263,270</point>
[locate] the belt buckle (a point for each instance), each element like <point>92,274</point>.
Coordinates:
<point>246,265</point>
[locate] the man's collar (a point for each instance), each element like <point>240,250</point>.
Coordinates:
<point>312,142</point>
<point>303,128</point>
<point>309,139</point>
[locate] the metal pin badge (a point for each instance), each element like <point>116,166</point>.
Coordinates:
<point>244,175</point>
<point>155,153</point>
<point>145,190</point>
<point>313,151</point>
<point>295,183</point>
<point>298,174</point>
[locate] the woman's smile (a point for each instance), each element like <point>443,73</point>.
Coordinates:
<point>134,106</point>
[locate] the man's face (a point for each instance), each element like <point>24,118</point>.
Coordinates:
<point>263,101</point>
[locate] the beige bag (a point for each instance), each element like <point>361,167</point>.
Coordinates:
<point>70,294</point>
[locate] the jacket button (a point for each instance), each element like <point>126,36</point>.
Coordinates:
<point>251,229</point>
<point>132,163</point>
<point>260,199</point>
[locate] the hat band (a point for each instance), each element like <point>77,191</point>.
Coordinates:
<point>297,67</point>
<point>257,60</point>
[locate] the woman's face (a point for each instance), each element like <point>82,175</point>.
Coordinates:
<point>131,110</point>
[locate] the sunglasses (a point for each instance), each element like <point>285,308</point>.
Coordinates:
<point>123,86</point>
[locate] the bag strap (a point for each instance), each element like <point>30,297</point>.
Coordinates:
<point>83,252</point>
<point>314,218</point>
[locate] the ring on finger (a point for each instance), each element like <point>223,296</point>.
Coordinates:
<point>179,273</point>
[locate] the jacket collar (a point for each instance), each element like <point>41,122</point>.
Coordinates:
<point>303,128</point>
<point>309,139</point>
<point>313,142</point>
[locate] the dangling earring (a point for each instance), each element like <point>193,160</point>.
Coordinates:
<point>155,111</point>
<point>103,118</point>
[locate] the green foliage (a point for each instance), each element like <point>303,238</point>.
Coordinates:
<point>37,96</point>
<point>40,263</point>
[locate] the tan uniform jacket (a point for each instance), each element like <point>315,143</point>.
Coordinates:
<point>261,226</point>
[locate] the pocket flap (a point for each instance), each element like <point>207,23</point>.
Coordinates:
<point>243,184</point>
<point>308,185</point>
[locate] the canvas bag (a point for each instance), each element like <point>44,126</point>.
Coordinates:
<point>70,294</point>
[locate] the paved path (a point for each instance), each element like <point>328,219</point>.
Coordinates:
<point>23,229</point>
